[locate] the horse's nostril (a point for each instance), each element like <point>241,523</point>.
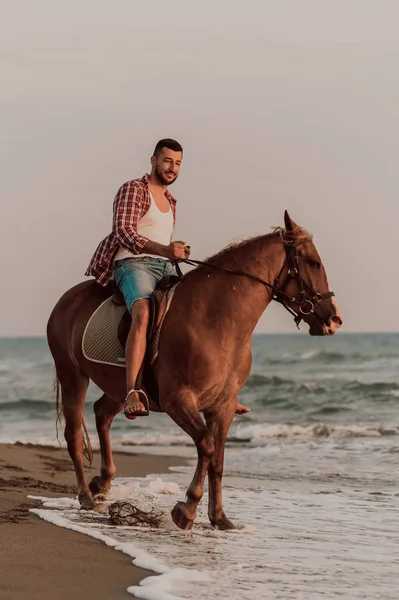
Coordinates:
<point>337,320</point>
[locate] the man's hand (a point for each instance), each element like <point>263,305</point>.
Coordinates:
<point>178,250</point>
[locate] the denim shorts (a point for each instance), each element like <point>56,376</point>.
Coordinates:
<point>137,278</point>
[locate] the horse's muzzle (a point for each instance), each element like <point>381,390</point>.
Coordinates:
<point>333,324</point>
<point>318,328</point>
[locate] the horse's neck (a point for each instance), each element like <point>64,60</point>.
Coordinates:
<point>262,257</point>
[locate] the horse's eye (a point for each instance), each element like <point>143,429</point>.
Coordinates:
<point>315,264</point>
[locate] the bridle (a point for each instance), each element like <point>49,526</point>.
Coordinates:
<point>304,306</point>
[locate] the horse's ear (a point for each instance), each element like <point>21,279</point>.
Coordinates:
<point>290,225</point>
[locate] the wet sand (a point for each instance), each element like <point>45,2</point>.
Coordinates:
<point>41,561</point>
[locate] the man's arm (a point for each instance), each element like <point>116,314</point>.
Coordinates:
<point>126,217</point>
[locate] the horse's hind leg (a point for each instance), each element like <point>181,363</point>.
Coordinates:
<point>105,410</point>
<point>74,387</point>
<point>218,425</point>
<point>182,408</point>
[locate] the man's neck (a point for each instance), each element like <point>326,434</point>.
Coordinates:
<point>155,184</point>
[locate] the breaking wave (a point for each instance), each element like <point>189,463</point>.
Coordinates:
<point>264,431</point>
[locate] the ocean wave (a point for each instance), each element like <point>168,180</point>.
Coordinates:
<point>264,431</point>
<point>327,357</point>
<point>25,404</point>
<point>257,380</point>
<point>375,386</point>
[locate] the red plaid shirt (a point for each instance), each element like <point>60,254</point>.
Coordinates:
<point>131,203</point>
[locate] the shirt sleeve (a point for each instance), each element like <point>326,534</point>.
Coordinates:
<point>126,215</point>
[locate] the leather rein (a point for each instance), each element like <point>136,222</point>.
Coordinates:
<point>305,306</point>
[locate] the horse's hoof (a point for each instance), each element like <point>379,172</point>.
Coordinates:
<point>98,488</point>
<point>86,501</point>
<point>179,516</point>
<point>222,523</point>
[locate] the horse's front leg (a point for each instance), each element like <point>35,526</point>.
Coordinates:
<point>182,408</point>
<point>219,425</point>
<point>105,410</point>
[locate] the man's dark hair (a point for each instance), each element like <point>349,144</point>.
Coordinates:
<point>167,143</point>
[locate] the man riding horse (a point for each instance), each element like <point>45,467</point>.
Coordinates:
<point>138,254</point>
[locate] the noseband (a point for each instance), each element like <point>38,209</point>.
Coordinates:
<point>305,306</point>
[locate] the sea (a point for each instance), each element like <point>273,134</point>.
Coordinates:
<point>311,474</point>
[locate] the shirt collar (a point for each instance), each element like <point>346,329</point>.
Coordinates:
<point>169,196</point>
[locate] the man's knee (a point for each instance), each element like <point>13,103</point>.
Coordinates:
<point>140,313</point>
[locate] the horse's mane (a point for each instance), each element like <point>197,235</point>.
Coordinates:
<point>299,234</point>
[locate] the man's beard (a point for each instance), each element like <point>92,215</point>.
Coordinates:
<point>162,180</point>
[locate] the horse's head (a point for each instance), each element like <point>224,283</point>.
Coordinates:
<point>306,283</point>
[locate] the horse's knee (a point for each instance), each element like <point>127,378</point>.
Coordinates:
<point>207,446</point>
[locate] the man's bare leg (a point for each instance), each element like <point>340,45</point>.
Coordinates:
<point>136,344</point>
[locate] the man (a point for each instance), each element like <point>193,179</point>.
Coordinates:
<point>138,253</point>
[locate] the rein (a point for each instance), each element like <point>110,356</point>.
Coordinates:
<point>305,306</point>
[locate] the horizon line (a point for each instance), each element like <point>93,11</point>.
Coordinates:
<point>256,333</point>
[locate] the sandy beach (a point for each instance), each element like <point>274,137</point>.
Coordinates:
<point>41,561</point>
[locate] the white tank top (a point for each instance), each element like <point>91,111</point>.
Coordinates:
<point>156,225</point>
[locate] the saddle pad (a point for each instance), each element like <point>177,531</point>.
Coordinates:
<point>100,342</point>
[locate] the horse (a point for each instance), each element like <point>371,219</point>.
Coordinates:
<point>204,353</point>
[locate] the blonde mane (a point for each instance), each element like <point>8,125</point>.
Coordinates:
<point>299,234</point>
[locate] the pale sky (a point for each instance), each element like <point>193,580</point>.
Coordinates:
<point>277,103</point>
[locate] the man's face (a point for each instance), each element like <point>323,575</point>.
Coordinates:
<point>167,166</point>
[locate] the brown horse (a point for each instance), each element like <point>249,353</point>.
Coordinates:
<point>204,355</point>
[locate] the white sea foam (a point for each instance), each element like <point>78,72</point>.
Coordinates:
<point>309,354</point>
<point>159,587</point>
<point>156,438</point>
<point>64,512</point>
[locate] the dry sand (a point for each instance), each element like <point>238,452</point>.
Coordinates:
<point>41,561</point>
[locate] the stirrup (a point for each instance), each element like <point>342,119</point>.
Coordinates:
<point>143,399</point>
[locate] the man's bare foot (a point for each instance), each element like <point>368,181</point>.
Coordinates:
<point>134,406</point>
<point>241,409</point>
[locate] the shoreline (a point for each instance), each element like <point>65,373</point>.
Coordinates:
<point>42,561</point>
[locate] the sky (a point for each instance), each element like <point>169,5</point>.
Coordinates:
<point>278,104</point>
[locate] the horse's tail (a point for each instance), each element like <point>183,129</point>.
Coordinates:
<point>57,390</point>
<point>87,447</point>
